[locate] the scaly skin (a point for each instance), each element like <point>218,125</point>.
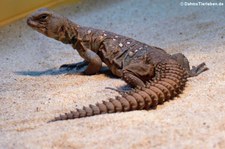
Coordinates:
<point>155,75</point>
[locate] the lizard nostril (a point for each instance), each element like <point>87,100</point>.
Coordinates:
<point>31,23</point>
<point>28,21</point>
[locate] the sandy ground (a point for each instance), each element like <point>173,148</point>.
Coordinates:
<point>33,90</point>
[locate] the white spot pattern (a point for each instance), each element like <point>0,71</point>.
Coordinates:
<point>131,53</point>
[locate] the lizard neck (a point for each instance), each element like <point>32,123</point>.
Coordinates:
<point>68,32</point>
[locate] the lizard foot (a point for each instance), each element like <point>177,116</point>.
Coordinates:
<point>77,66</point>
<point>196,70</point>
<point>121,92</point>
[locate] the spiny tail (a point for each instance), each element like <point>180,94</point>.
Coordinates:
<point>169,81</point>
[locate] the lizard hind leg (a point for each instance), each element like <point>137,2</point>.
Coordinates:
<point>183,61</point>
<point>138,74</point>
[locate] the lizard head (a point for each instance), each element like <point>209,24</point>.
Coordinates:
<point>49,23</point>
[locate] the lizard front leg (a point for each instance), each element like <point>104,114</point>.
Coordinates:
<point>78,65</point>
<point>93,61</point>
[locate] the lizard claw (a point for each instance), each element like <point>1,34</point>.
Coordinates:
<point>114,89</point>
<point>121,92</point>
<point>76,66</point>
<point>67,66</point>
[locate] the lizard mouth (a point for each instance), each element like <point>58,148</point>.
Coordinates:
<point>35,25</point>
<point>31,23</point>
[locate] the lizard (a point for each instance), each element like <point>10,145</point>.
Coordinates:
<point>155,75</point>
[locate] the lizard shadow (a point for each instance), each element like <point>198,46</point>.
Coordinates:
<point>58,71</point>
<point>53,71</point>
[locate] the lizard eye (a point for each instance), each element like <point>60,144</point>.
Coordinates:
<point>43,17</point>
